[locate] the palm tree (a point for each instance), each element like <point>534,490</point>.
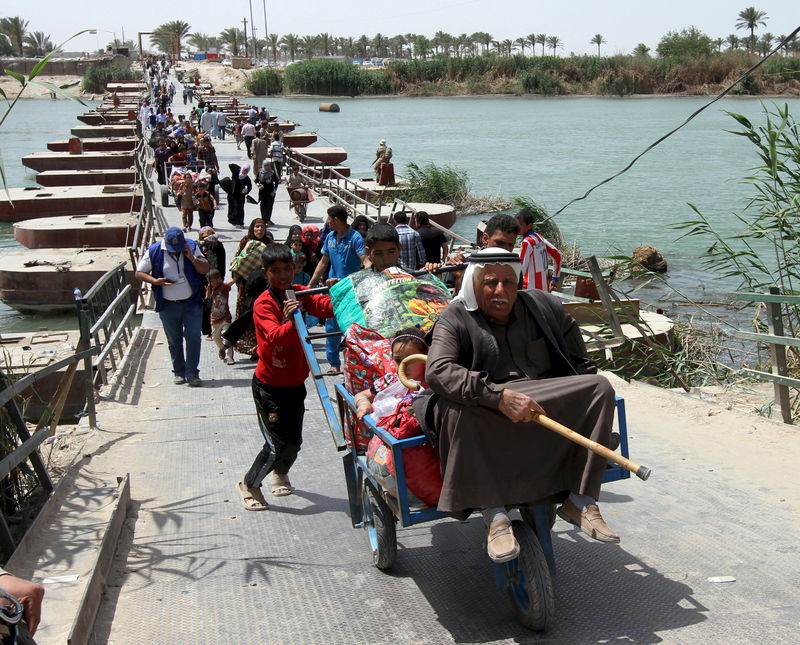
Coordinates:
<point>486,40</point>
<point>15,29</point>
<point>325,42</point>
<point>554,42</point>
<point>38,44</point>
<point>273,42</point>
<point>719,42</point>
<point>733,41</point>
<point>200,41</point>
<point>506,47</point>
<point>233,38</point>
<point>291,43</point>
<point>380,45</point>
<point>421,46</point>
<point>541,39</point>
<point>765,43</point>
<point>521,43</point>
<point>362,45</point>
<point>438,40</point>
<point>787,46</point>
<point>168,36</point>
<point>461,44</point>
<point>309,46</point>
<point>751,18</point>
<point>532,42</point>
<point>598,40</point>
<point>641,51</point>
<point>397,44</point>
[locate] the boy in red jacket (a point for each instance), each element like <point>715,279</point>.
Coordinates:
<point>278,384</point>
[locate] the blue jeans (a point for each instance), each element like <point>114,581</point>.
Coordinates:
<point>181,322</point>
<point>332,344</point>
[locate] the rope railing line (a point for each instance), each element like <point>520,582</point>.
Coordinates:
<point>721,95</point>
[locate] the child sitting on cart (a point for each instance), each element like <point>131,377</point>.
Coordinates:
<point>382,398</point>
<point>278,383</point>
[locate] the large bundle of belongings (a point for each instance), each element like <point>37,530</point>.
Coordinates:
<point>370,308</point>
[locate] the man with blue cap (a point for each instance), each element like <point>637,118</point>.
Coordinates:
<point>173,267</point>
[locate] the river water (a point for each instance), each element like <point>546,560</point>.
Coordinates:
<point>551,149</point>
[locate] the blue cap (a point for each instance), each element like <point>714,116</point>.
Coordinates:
<point>174,240</point>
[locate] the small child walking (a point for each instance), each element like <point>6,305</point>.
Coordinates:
<point>217,292</point>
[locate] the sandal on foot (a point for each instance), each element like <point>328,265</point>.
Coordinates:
<point>333,371</point>
<point>252,498</point>
<point>281,487</point>
<point>230,361</point>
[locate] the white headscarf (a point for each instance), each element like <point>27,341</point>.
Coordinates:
<point>467,293</point>
<point>244,170</point>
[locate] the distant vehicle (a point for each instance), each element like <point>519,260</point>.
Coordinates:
<point>226,62</point>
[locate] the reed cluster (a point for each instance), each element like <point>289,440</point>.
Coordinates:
<point>333,78</point>
<point>97,76</point>
<point>264,81</point>
<point>613,75</point>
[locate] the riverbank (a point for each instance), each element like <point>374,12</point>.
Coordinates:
<point>10,86</point>
<point>530,76</point>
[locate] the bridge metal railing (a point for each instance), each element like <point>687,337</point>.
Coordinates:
<point>21,445</point>
<point>777,344</point>
<point>358,199</point>
<point>106,322</point>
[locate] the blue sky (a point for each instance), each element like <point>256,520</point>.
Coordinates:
<point>623,23</point>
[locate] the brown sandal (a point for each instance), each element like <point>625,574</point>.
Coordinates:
<point>281,487</point>
<point>252,498</point>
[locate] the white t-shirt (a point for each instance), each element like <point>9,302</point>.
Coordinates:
<point>173,271</point>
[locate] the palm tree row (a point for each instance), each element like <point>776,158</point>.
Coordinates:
<point>416,46</point>
<point>16,40</point>
<point>292,46</point>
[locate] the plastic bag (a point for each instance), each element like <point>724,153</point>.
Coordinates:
<point>387,400</point>
<point>389,300</point>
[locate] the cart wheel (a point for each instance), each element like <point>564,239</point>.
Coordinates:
<point>527,515</point>
<point>530,586</point>
<point>164,196</point>
<point>379,522</point>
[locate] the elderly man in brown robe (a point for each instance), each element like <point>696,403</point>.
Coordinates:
<point>497,359</point>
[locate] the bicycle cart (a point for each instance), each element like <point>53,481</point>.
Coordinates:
<point>528,579</point>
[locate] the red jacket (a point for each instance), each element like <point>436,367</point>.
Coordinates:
<point>281,361</point>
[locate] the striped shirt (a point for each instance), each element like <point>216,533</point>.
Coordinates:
<point>534,256</point>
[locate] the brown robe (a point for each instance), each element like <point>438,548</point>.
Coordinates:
<point>488,460</point>
<point>260,150</point>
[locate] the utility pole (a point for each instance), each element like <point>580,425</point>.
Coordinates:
<point>244,22</point>
<point>253,29</point>
<point>266,31</point>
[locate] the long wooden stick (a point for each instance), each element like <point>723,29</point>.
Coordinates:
<point>642,472</point>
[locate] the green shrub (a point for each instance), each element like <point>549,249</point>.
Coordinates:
<point>549,229</point>
<point>330,78</point>
<point>97,76</point>
<point>264,81</point>
<point>539,82</point>
<point>687,42</point>
<point>436,184</point>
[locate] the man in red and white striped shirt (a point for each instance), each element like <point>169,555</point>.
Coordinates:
<point>535,254</point>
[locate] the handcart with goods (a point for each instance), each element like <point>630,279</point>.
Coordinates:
<point>378,507</point>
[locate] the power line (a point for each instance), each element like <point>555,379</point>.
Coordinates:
<point>674,130</point>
